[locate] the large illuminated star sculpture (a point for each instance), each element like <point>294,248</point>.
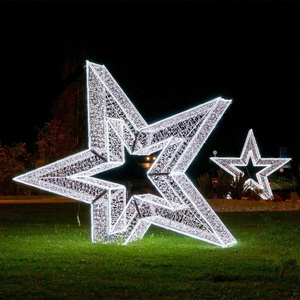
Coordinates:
<point>250,151</point>
<point>113,124</point>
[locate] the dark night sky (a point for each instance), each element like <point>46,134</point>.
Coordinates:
<point>167,56</point>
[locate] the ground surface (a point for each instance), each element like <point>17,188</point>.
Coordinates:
<point>44,254</point>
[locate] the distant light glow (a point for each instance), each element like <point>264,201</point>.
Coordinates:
<point>114,123</point>
<point>251,151</point>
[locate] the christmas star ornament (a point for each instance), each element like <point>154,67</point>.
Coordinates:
<point>251,151</point>
<point>115,124</point>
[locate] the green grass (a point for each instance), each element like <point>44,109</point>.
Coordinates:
<point>46,255</point>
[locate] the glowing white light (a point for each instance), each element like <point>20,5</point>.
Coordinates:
<point>114,123</point>
<point>250,150</point>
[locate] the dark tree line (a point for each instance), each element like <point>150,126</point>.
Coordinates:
<point>63,135</point>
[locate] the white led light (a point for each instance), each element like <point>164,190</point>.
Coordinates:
<point>250,150</point>
<point>114,123</point>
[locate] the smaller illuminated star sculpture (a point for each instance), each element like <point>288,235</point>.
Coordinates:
<point>251,150</point>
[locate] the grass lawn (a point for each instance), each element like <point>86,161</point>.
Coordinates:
<point>44,254</point>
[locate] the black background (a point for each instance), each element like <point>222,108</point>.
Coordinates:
<point>167,57</point>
